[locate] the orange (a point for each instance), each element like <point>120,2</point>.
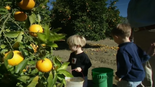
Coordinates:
<point>16,59</point>
<point>8,7</point>
<point>20,16</point>
<point>34,29</point>
<point>26,4</point>
<point>43,45</point>
<point>44,65</point>
<point>24,70</point>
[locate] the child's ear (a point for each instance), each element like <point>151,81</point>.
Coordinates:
<point>115,36</point>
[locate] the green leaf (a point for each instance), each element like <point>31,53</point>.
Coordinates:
<point>21,66</point>
<point>9,56</point>
<point>57,62</point>
<point>65,73</point>
<point>64,82</point>
<point>30,49</point>
<point>8,2</point>
<point>49,80</point>
<point>53,81</point>
<point>32,18</point>
<point>3,13</point>
<point>27,24</point>
<point>4,51</point>
<point>60,84</point>
<point>3,9</point>
<point>42,37</point>
<point>47,30</point>
<point>39,18</point>
<point>56,37</point>
<point>35,71</point>
<point>16,45</point>
<point>23,78</point>
<point>20,37</point>
<point>12,34</point>
<point>23,51</point>
<point>61,77</point>
<point>56,30</point>
<point>3,46</point>
<point>34,82</point>
<point>63,66</point>
<point>55,77</point>
<point>51,44</point>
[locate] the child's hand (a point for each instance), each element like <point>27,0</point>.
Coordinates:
<point>151,50</point>
<point>117,78</point>
<point>78,69</point>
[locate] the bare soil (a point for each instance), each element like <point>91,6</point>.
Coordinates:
<point>101,53</point>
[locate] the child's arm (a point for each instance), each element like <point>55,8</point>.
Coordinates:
<point>117,78</point>
<point>151,50</point>
<point>78,69</point>
<point>69,60</point>
<point>86,63</point>
<point>123,64</point>
<point>143,55</point>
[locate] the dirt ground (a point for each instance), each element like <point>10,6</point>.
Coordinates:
<point>101,53</point>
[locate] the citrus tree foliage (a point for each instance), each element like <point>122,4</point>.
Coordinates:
<point>124,20</point>
<point>26,52</point>
<point>113,17</point>
<point>93,19</point>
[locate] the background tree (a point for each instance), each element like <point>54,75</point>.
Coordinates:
<point>90,18</point>
<point>113,17</point>
<point>124,20</point>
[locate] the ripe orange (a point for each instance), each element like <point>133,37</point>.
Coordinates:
<point>8,7</point>
<point>35,28</point>
<point>20,16</point>
<point>16,59</point>
<point>26,4</point>
<point>44,65</point>
<point>43,45</point>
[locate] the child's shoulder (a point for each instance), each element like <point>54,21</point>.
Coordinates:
<point>127,46</point>
<point>84,53</point>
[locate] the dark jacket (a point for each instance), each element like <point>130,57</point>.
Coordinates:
<point>129,62</point>
<point>79,60</point>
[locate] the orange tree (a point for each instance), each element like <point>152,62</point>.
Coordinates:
<point>93,19</point>
<point>113,18</point>
<point>26,46</point>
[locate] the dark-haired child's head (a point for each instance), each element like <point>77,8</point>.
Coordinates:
<point>121,33</point>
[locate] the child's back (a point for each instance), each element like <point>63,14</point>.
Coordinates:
<point>129,59</point>
<point>130,72</point>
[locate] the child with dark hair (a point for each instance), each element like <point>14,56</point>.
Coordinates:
<point>129,58</point>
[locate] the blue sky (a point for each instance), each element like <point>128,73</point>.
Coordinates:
<point>121,5</point>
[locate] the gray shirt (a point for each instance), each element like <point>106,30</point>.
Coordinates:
<point>141,13</point>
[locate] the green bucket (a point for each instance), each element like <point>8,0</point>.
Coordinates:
<point>102,77</point>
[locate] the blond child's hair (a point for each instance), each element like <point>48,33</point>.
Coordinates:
<point>76,40</point>
<point>123,30</point>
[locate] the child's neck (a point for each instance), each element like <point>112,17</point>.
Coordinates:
<point>124,40</point>
<point>79,50</point>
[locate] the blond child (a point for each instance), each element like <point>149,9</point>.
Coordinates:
<point>79,61</point>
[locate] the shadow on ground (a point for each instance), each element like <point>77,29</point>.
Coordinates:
<point>90,84</point>
<point>63,45</point>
